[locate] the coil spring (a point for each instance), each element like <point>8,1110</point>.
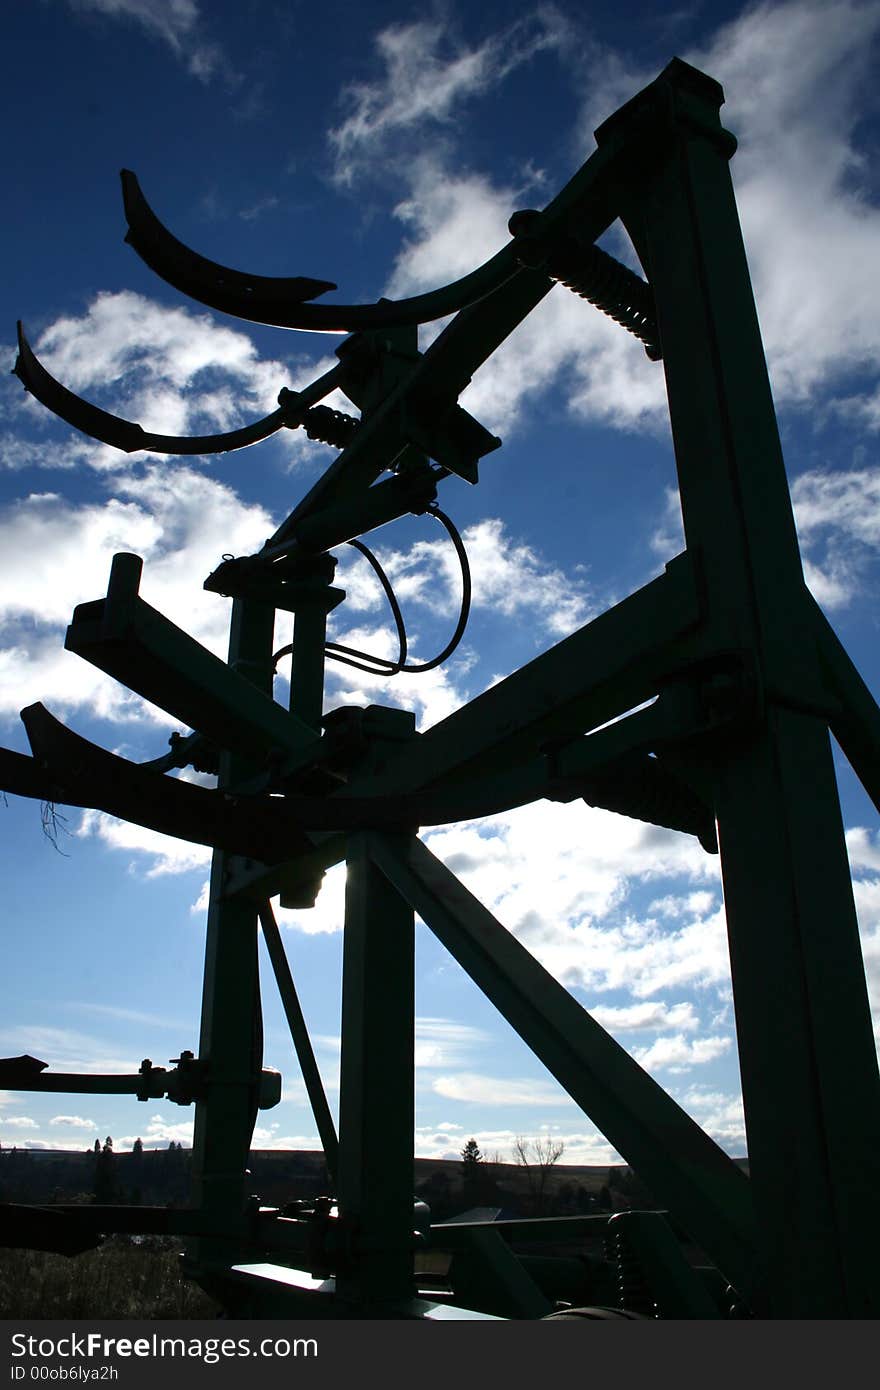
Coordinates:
<point>330,426</point>
<point>595,276</point>
<point>614,288</point>
<point>643,788</point>
<point>633,1291</point>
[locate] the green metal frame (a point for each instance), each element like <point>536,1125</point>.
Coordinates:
<point>746,678</point>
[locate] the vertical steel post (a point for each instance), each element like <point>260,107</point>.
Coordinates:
<point>809,1068</point>
<point>315,599</point>
<point>230,1043</point>
<point>376,1104</point>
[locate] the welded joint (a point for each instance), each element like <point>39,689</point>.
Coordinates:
<point>717,700</point>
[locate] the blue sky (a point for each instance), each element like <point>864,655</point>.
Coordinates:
<point>385,148</point>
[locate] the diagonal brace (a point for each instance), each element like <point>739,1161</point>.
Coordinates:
<point>300,1035</point>
<point>856,723</point>
<point>684,1168</point>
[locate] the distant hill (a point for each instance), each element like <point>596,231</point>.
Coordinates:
<point>162,1176</point>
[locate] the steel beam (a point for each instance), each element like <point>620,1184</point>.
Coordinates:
<point>855,722</point>
<point>809,1069</point>
<point>230,1041</point>
<point>138,646</point>
<point>376,1103</point>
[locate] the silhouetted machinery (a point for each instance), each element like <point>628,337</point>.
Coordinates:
<point>744,677</point>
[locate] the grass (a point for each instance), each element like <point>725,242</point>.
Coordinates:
<point>118,1280</point>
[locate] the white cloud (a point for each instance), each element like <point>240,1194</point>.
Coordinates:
<point>510,579</point>
<point>176,370</point>
<point>679,1054</point>
<point>720,1114</point>
<point>146,355</point>
<point>177,22</point>
<point>172,370</point>
<point>645,1017</point>
<point>165,855</point>
<point>307,1143</point>
<point>64,1049</point>
<point>427,75</point>
<point>73,1122</point>
<point>811,227</point>
<point>444,1042</point>
<point>159,1133</point>
<point>837,513</point>
<point>551,873</point>
<point>328,914</point>
<point>456,221</point>
<point>54,554</point>
<point>694,904</point>
<point>496,1090</point>
<point>431,695</point>
<point>812,230</point>
<point>866,891</point>
<point>19,1122</point>
<point>838,520</point>
<point>863,848</point>
<point>117,1012</point>
<point>847,502</point>
<point>453,222</point>
<point>446,1140</point>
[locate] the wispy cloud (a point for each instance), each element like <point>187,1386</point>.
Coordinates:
<point>811,224</point>
<point>803,182</point>
<point>720,1113</point>
<point>177,22</point>
<point>427,75</point>
<point>478,1089</point>
<point>124,1015</point>
<point>64,1049</point>
<point>838,520</point>
<point>444,1042</point>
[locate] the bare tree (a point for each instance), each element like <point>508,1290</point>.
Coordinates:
<point>536,1157</point>
<point>494,1163</point>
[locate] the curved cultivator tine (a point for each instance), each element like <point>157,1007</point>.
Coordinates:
<point>281,301</point>
<point>125,434</point>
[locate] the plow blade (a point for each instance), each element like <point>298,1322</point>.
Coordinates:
<point>282,301</point>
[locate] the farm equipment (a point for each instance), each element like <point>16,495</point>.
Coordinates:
<point>702,702</point>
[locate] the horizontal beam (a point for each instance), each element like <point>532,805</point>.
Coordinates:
<point>606,668</point>
<point>683,1167</point>
<point>609,666</point>
<point>149,654</point>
